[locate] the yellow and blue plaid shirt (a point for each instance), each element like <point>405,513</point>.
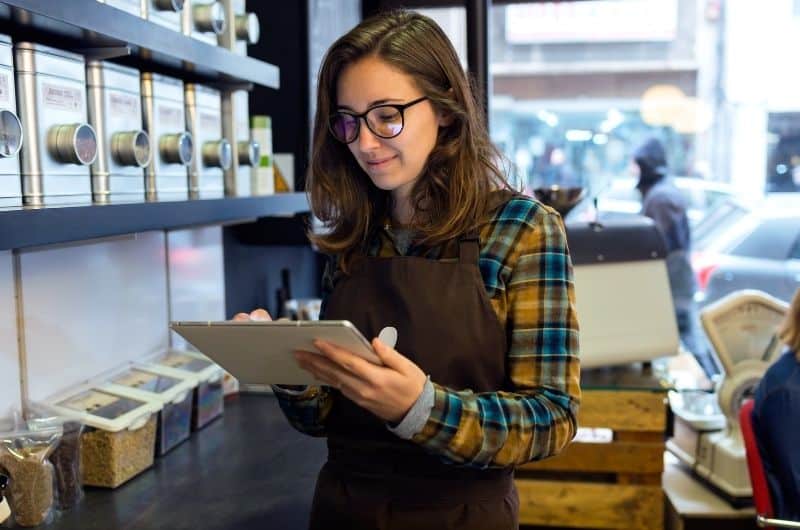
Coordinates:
<point>527,272</point>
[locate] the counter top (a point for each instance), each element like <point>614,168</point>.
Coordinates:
<point>248,469</point>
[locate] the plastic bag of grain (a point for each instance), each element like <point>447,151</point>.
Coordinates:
<point>23,459</point>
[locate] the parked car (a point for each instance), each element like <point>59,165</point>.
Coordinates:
<point>754,249</point>
<point>621,199</point>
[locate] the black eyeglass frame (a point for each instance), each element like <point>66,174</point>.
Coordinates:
<point>401,108</point>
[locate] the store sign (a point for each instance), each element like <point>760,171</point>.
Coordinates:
<point>592,21</point>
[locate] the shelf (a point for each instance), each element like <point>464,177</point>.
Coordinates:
<point>101,31</point>
<point>25,227</point>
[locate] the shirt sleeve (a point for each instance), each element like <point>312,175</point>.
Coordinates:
<point>536,417</point>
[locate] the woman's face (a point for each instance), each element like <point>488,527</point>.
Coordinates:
<point>392,164</point>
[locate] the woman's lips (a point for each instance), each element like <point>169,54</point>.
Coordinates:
<point>380,163</point>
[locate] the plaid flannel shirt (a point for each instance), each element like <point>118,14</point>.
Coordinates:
<point>527,272</point>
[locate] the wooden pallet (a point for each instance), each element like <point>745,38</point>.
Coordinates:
<point>615,485</point>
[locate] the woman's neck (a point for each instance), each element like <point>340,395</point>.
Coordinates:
<point>402,211</point>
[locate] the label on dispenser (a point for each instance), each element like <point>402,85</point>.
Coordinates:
<point>124,104</point>
<point>5,92</point>
<point>170,118</point>
<point>209,122</point>
<point>62,97</point>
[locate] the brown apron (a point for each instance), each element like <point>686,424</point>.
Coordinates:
<point>446,325</point>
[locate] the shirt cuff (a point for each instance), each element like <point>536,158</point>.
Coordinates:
<point>294,390</point>
<point>418,414</point>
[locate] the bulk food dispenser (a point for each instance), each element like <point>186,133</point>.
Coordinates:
<point>10,130</point>
<point>171,145</point>
<point>115,112</point>
<point>214,153</point>
<point>58,143</point>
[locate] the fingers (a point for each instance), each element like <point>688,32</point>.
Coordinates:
<point>260,314</point>
<point>346,359</point>
<point>326,370</point>
<point>241,317</point>
<point>391,358</point>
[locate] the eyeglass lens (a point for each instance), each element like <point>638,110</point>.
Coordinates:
<point>386,122</point>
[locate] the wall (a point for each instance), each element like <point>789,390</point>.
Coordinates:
<point>90,307</point>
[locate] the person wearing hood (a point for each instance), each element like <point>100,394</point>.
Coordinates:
<point>666,206</point>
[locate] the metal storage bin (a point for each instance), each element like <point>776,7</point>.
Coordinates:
<point>248,151</point>
<point>134,7</point>
<point>10,130</point>
<point>244,30</point>
<point>123,148</point>
<point>165,13</point>
<point>203,19</point>
<point>171,145</point>
<point>58,143</point>
<point>204,119</point>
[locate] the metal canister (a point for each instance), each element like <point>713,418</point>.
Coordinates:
<point>58,144</point>
<point>123,148</point>
<point>248,151</point>
<point>10,130</point>
<point>243,27</point>
<point>165,13</point>
<point>215,154</point>
<point>134,7</point>
<point>171,145</point>
<point>204,20</point>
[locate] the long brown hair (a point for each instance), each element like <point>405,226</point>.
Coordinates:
<point>451,195</point>
<point>789,332</point>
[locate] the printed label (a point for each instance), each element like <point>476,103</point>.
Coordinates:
<point>124,104</point>
<point>210,122</point>
<point>62,97</point>
<point>5,92</point>
<point>170,118</point>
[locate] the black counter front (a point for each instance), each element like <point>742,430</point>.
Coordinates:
<point>247,470</point>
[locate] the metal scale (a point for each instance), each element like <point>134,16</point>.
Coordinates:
<point>742,330</point>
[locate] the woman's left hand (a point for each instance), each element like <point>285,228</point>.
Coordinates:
<point>387,391</point>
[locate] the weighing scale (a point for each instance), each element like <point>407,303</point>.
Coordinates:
<point>742,330</point>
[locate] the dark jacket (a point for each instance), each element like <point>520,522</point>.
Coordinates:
<point>776,423</point>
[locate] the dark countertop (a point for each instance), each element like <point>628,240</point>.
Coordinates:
<point>248,469</point>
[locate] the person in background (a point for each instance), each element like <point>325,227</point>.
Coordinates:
<point>425,236</point>
<point>666,206</point>
<point>776,420</point>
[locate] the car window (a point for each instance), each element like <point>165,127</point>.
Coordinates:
<point>719,218</point>
<point>795,254</point>
<point>771,239</point>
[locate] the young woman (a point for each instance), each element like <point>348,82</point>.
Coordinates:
<point>426,238</point>
<point>776,420</point>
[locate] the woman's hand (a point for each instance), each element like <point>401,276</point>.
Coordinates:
<point>387,391</point>
<point>258,314</point>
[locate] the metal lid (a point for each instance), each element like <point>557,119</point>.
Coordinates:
<point>10,134</point>
<point>40,48</point>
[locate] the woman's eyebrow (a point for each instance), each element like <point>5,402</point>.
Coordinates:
<point>372,104</point>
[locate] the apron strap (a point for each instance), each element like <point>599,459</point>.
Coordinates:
<point>469,250</point>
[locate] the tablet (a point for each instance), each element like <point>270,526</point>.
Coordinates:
<point>260,352</point>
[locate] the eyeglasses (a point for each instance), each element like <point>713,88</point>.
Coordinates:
<point>385,121</point>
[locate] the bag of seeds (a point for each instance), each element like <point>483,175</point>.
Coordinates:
<point>23,459</point>
<point>66,457</point>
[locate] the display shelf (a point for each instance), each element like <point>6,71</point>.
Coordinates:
<point>102,31</point>
<point>26,227</point>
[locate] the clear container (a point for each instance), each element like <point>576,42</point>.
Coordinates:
<point>120,441</point>
<point>174,423</point>
<point>209,396</point>
<point>23,459</point>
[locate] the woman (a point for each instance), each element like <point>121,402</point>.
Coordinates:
<point>776,420</point>
<point>476,281</point>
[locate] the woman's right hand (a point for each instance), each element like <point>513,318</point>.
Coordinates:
<point>258,314</point>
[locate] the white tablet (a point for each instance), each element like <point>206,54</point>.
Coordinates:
<point>260,352</point>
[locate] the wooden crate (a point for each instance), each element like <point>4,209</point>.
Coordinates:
<point>615,485</point>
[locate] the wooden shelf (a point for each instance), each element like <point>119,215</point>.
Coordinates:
<point>25,227</point>
<point>101,31</point>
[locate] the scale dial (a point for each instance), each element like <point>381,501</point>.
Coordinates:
<point>741,326</point>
